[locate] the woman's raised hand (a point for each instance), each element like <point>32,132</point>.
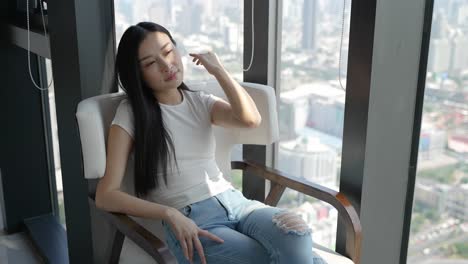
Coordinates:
<point>187,232</point>
<point>209,60</point>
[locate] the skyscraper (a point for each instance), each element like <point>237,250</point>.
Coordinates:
<point>440,26</point>
<point>309,27</point>
<point>459,53</point>
<point>160,12</point>
<point>439,56</point>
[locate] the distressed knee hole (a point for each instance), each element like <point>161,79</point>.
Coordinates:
<point>290,222</point>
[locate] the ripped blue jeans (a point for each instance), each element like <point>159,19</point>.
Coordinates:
<point>252,232</point>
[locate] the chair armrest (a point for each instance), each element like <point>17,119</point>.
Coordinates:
<point>338,200</point>
<point>146,240</point>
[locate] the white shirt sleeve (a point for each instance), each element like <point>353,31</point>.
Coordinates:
<point>124,118</point>
<point>208,100</point>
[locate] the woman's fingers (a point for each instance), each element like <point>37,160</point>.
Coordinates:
<point>199,248</point>
<point>196,58</point>
<point>189,244</point>
<point>197,61</point>
<point>195,55</point>
<point>190,249</point>
<point>209,235</point>
<point>183,244</point>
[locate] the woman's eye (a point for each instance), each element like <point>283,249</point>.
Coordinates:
<point>149,64</point>
<point>168,52</point>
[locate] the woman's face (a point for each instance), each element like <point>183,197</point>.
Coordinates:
<point>160,62</point>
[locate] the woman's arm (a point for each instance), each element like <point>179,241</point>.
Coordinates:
<point>109,197</point>
<point>241,110</point>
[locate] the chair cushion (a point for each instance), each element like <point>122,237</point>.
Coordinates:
<point>132,254</point>
<point>329,256</point>
<point>94,116</point>
<point>131,250</point>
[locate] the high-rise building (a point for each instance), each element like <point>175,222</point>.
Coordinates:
<point>160,12</point>
<point>294,108</point>
<point>188,18</point>
<point>459,56</point>
<point>462,14</point>
<point>326,109</point>
<point>432,141</point>
<point>306,157</point>
<point>439,55</point>
<point>293,9</point>
<point>316,105</point>
<point>432,194</point>
<point>457,202</point>
<point>196,12</point>
<point>440,26</point>
<point>309,26</point>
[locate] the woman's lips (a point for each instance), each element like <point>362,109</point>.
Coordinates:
<point>172,77</point>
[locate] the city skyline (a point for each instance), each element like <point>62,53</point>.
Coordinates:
<point>309,62</point>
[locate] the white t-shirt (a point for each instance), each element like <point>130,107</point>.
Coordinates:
<point>189,125</point>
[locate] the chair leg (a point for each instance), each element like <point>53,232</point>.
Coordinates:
<point>116,247</point>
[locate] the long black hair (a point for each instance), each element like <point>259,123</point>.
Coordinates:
<point>152,141</point>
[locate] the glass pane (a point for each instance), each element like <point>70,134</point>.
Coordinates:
<point>236,175</point>
<point>195,25</point>
<point>55,143</point>
<point>311,105</point>
<point>439,224</point>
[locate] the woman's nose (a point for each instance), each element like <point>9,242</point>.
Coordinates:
<point>165,66</point>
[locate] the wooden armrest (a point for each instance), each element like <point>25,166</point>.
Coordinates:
<point>146,240</point>
<point>338,200</point>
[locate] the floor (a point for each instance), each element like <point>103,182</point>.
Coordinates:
<point>132,254</point>
<point>17,249</point>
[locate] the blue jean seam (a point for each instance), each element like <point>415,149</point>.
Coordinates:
<point>180,251</point>
<point>228,211</point>
<point>271,251</point>
<point>227,258</point>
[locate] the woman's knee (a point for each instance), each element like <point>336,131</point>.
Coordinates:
<point>284,221</point>
<point>291,223</point>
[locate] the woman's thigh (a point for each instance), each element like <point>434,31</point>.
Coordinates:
<point>210,215</point>
<point>236,249</point>
<point>285,236</point>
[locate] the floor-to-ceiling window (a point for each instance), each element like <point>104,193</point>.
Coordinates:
<point>55,143</point>
<point>196,25</point>
<point>439,224</point>
<point>312,88</point>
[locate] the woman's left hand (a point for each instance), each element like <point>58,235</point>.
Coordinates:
<point>209,60</point>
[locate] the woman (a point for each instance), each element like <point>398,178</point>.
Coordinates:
<point>168,127</point>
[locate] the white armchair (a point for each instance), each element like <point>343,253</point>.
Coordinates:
<point>94,116</point>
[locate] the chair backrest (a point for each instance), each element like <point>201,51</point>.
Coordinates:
<point>95,114</point>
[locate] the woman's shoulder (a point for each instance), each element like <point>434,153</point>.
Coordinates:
<point>124,105</point>
<point>193,93</point>
<point>198,94</point>
<point>124,117</point>
<point>124,102</point>
<point>194,96</point>
<point>124,110</point>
